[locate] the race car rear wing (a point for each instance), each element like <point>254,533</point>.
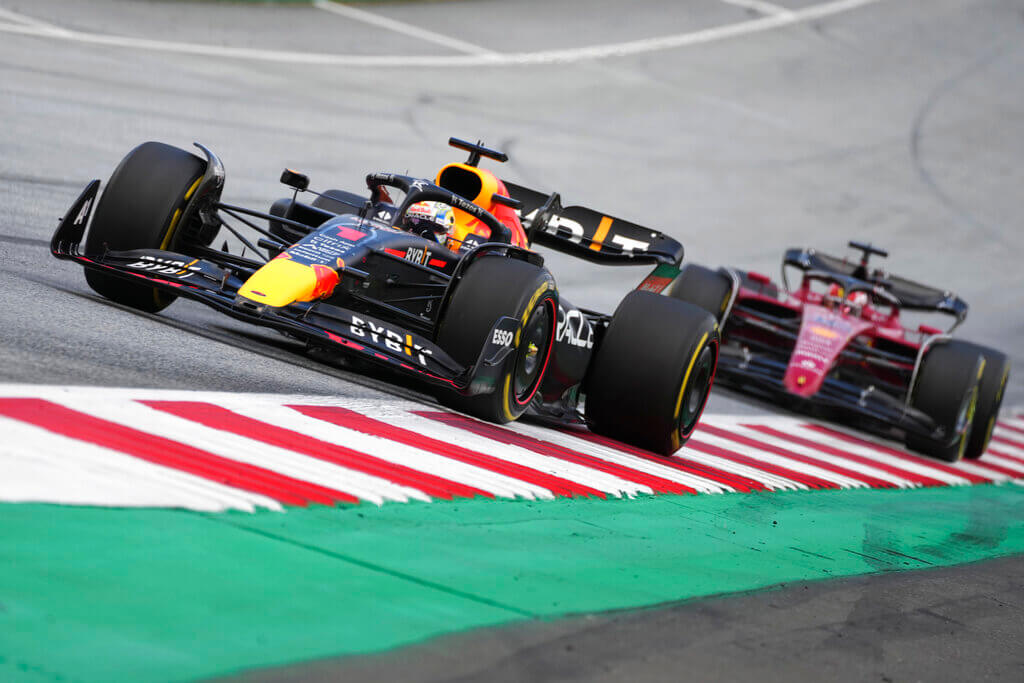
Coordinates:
<point>911,295</point>
<point>589,234</point>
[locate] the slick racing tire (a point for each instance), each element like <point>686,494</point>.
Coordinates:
<point>990,398</point>
<point>947,390</point>
<point>141,208</point>
<point>493,287</point>
<point>652,372</point>
<point>704,288</point>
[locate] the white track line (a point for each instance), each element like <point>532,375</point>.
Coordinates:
<point>569,55</point>
<point>766,8</point>
<point>401,27</point>
<point>22,20</point>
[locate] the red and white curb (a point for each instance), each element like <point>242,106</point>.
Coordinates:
<point>218,451</point>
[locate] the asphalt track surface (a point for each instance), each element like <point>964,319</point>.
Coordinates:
<point>961,623</point>
<point>896,121</point>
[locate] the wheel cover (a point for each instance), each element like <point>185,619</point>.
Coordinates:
<point>533,351</point>
<point>696,392</point>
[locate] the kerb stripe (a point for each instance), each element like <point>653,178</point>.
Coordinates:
<point>343,417</point>
<point>913,477</point>
<point>824,469</point>
<point>218,417</point>
<point>736,481</point>
<point>820,459</point>
<point>1009,442</point>
<point>903,455</point>
<point>779,471</point>
<point>504,435</point>
<point>156,449</point>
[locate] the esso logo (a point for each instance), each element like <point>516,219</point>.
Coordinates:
<point>502,338</point>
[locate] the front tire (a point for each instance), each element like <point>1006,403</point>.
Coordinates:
<point>990,398</point>
<point>947,390</point>
<point>141,208</point>
<point>651,375</point>
<point>493,287</point>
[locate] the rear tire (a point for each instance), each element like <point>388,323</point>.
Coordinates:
<point>705,288</point>
<point>990,398</point>
<point>140,208</point>
<point>947,390</point>
<point>651,374</point>
<point>493,287</point>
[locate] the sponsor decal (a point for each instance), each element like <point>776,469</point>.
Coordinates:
<point>416,254</point>
<point>628,244</point>
<point>83,212</point>
<point>351,234</point>
<point>162,266</point>
<point>324,247</point>
<point>573,329</point>
<point>326,280</point>
<point>557,223</point>
<point>470,242</point>
<point>502,337</point>
<point>383,215</point>
<point>813,354</point>
<point>395,341</point>
<point>566,227</point>
<point>824,332</point>
<point>653,283</point>
<point>834,322</point>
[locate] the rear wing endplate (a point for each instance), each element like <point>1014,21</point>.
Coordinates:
<point>589,234</point>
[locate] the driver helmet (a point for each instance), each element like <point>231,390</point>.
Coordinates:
<point>855,302</point>
<point>858,299</point>
<point>433,220</point>
<point>834,296</point>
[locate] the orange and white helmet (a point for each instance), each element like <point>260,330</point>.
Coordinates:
<point>433,220</point>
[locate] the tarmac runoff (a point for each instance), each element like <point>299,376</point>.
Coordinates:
<point>95,594</point>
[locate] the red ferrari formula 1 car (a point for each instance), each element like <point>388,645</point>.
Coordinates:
<point>836,345</point>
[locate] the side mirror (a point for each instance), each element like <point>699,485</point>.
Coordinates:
<point>294,179</point>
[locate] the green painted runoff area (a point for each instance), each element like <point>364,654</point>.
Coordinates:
<point>91,594</point>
